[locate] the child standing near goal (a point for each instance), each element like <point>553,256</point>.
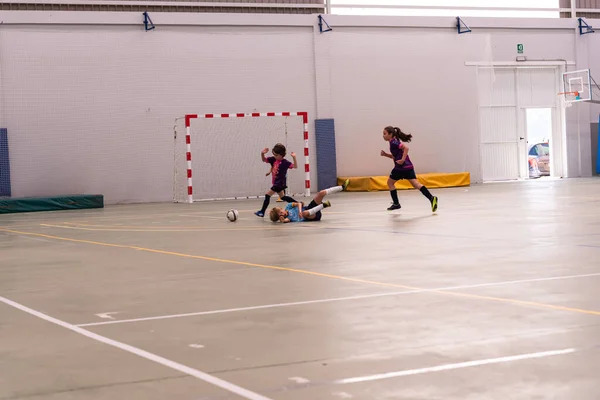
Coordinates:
<point>296,212</point>
<point>279,169</point>
<point>403,167</point>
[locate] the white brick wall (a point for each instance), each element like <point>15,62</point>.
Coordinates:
<point>90,109</point>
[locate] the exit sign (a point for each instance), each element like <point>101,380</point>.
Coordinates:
<point>520,48</point>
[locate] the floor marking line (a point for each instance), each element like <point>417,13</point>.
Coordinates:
<point>229,310</point>
<point>230,387</point>
<point>123,246</point>
<point>117,228</point>
<point>107,315</point>
<point>523,302</point>
<point>447,367</point>
<point>156,226</point>
<point>159,226</point>
<point>320,274</point>
<point>329,300</point>
<point>118,216</point>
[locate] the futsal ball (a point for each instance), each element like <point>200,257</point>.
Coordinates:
<point>232,215</point>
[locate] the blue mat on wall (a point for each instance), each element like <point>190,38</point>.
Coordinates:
<point>598,149</point>
<point>64,202</point>
<point>4,164</point>
<point>326,157</point>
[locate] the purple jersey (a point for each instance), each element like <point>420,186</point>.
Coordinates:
<point>397,150</point>
<point>279,170</point>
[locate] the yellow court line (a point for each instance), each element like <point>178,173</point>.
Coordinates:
<point>306,272</point>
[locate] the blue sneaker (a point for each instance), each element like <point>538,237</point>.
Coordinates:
<point>260,214</point>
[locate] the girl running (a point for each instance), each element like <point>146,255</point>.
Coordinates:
<point>403,166</point>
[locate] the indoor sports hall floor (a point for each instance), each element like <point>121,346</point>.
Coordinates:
<point>495,297</point>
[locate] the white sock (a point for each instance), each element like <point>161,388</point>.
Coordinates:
<point>315,210</point>
<point>334,189</point>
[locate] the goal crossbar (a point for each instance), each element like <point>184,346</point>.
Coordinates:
<point>188,141</point>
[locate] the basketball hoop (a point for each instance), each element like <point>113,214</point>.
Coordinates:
<point>570,98</point>
<point>578,86</point>
<point>575,95</point>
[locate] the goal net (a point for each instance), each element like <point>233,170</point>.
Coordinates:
<point>218,156</point>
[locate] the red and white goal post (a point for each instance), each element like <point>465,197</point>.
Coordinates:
<point>217,156</point>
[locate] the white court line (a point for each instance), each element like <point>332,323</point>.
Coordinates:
<point>330,300</point>
<point>228,310</point>
<point>230,387</point>
<point>447,367</point>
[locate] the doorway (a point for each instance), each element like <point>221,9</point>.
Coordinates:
<point>538,134</point>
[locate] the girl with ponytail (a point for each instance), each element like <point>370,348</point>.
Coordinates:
<point>403,166</point>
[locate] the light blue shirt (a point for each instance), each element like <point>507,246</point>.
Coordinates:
<point>293,215</point>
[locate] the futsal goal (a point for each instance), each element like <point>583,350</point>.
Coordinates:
<point>218,156</point>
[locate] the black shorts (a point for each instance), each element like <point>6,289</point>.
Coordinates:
<point>278,189</point>
<point>318,215</point>
<point>398,174</point>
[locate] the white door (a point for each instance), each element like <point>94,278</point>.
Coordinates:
<point>504,95</point>
<point>499,133</point>
<point>538,89</point>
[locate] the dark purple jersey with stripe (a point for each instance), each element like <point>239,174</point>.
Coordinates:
<point>279,170</point>
<point>397,150</point>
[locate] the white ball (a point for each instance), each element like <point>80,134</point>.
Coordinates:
<point>232,215</point>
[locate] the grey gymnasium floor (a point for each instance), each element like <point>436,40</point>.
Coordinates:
<point>495,297</point>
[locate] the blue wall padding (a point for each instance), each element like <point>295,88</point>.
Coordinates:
<point>326,158</point>
<point>598,149</point>
<point>4,164</point>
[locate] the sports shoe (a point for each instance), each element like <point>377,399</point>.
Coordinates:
<point>394,207</point>
<point>326,204</point>
<point>345,185</point>
<point>434,204</point>
<point>260,214</point>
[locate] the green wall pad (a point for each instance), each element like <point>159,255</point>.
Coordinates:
<point>67,202</point>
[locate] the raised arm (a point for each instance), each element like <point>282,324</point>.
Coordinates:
<point>262,154</point>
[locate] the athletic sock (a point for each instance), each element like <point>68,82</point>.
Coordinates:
<point>315,210</point>
<point>394,194</point>
<point>426,193</point>
<point>266,203</point>
<point>334,189</point>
